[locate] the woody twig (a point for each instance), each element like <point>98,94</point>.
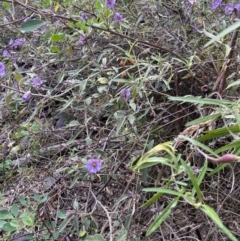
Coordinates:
<point>221,80</point>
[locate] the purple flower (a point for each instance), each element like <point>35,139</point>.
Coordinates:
<point>83,16</point>
<point>216,4</point>
<point>118,17</point>
<point>2,70</point>
<point>188,9</point>
<point>229,9</point>
<point>237,7</point>
<point>26,19</point>
<point>5,53</point>
<point>110,3</point>
<point>17,44</point>
<point>26,96</point>
<point>125,94</point>
<point>192,1</point>
<point>81,40</point>
<point>94,165</point>
<point>37,81</point>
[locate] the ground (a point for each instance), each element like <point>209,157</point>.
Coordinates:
<point>112,89</point>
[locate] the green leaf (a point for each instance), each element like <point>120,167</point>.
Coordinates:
<point>57,37</point>
<point>82,234</point>
<point>61,214</point>
<point>162,217</point>
<point>153,199</point>
<point>122,235</point>
<point>166,147</point>
<point>237,82</point>
<point>102,80</point>
<point>133,106</point>
<point>75,204</point>
<point>8,228</point>
<point>18,77</point>
<point>36,197</point>
<point>226,31</point>
<point>64,223</point>
<point>234,144</point>
<point>31,25</point>
<point>120,124</point>
<point>54,49</point>
<point>202,173</point>
<point>28,221</point>
<point>88,141</point>
<point>218,169</point>
<point>88,101</point>
<point>98,5</point>
<point>152,161</point>
<point>131,119</point>
<point>219,133</point>
<point>22,200</point>
<point>2,223</point>
<point>5,214</point>
<point>96,237</point>
<point>156,196</point>
<point>55,235</point>
<point>73,123</point>
<point>163,190</point>
<point>199,100</point>
<point>15,210</point>
<point>193,180</point>
<point>197,143</point>
<point>15,223</point>
<point>47,35</point>
<point>215,218</point>
<point>203,119</point>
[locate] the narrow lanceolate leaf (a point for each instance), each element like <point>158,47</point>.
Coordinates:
<point>163,190</point>
<point>199,144</point>
<point>31,25</point>
<point>204,101</point>
<point>193,180</point>
<point>224,131</point>
<point>162,217</point>
<point>152,161</point>
<point>156,196</point>
<point>215,218</point>
<point>203,119</point>
<point>226,31</point>
<point>146,160</point>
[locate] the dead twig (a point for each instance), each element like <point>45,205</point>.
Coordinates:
<point>221,80</point>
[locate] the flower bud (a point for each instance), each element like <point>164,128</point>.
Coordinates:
<point>227,158</point>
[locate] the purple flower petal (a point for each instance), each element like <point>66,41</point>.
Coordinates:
<point>94,165</point>
<point>192,1</point>
<point>126,94</point>
<point>17,44</point>
<point>26,96</point>
<point>118,17</point>
<point>110,3</point>
<point>26,19</point>
<point>237,7</point>
<point>5,53</point>
<point>229,9</point>
<point>81,40</point>
<point>216,4</point>
<point>37,81</point>
<point>83,16</point>
<point>2,70</point>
